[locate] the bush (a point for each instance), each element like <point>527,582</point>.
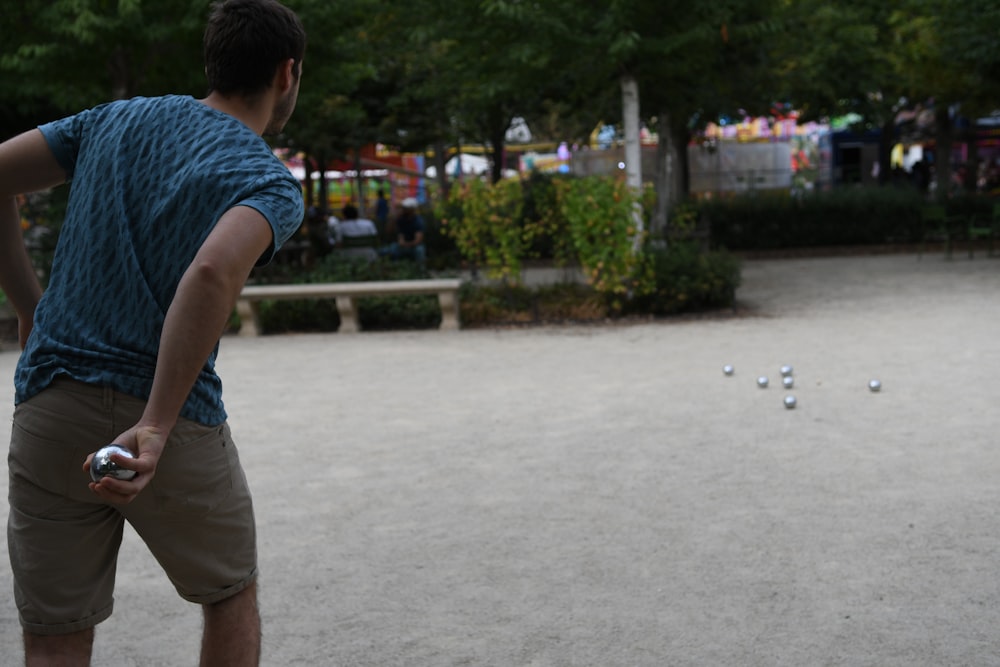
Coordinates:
<point>374,313</point>
<point>489,305</point>
<point>602,221</point>
<point>306,315</point>
<point>442,253</point>
<point>688,280</point>
<point>685,280</point>
<point>487,227</point>
<point>592,222</point>
<point>839,217</point>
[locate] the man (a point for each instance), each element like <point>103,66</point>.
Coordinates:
<point>381,210</point>
<point>354,236</point>
<point>173,201</point>
<point>409,230</point>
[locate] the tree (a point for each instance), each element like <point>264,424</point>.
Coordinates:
<point>680,59</point>
<point>64,55</point>
<point>475,65</point>
<point>837,60</point>
<point>877,58</point>
<point>969,60</point>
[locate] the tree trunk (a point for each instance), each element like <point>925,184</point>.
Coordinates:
<point>360,180</point>
<point>664,167</point>
<point>633,152</point>
<point>942,152</point>
<point>497,144</point>
<point>324,188</point>
<point>972,163</point>
<point>683,168</point>
<point>630,118</point>
<point>120,75</point>
<point>307,181</point>
<point>440,160</point>
<point>887,139</point>
<point>672,180</point>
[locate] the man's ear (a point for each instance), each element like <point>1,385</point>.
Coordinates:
<point>285,77</point>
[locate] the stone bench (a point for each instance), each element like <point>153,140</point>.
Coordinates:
<point>345,293</point>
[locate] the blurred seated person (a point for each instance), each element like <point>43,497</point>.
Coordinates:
<point>409,230</point>
<point>331,228</point>
<point>354,236</point>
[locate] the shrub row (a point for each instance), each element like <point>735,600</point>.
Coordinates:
<point>685,280</point>
<point>374,313</point>
<point>839,217</point>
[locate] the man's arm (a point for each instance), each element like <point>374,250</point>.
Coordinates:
<point>26,165</point>
<point>194,323</point>
<point>418,238</point>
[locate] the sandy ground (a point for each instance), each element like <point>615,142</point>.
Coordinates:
<point>605,496</point>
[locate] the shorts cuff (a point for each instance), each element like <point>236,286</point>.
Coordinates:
<point>224,594</point>
<point>48,629</point>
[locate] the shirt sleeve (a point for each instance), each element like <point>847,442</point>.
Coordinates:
<point>63,137</point>
<point>280,202</point>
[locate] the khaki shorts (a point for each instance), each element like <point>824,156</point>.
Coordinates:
<point>196,516</point>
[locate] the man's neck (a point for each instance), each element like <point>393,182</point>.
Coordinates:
<point>251,116</point>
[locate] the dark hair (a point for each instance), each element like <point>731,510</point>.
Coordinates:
<point>245,43</point>
<point>350,212</point>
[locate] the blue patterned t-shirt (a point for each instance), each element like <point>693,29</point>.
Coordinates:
<point>150,177</point>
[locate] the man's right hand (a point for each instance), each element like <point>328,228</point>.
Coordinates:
<point>147,443</point>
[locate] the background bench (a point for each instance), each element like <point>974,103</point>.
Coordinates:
<point>345,293</point>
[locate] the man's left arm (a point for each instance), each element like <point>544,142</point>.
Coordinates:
<point>26,165</point>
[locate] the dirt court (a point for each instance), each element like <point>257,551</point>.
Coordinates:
<point>605,496</point>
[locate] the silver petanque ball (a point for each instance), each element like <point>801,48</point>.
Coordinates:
<point>874,385</point>
<point>762,381</point>
<point>786,371</point>
<point>788,381</point>
<point>102,465</point>
<point>727,369</point>
<point>790,402</point>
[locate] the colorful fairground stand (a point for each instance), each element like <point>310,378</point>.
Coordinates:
<point>360,180</point>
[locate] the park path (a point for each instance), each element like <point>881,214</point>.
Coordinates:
<point>605,496</point>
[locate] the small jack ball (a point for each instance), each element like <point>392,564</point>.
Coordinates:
<point>875,385</point>
<point>762,381</point>
<point>727,369</point>
<point>102,465</point>
<point>790,402</point>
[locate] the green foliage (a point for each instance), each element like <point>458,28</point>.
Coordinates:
<point>491,305</point>
<point>486,224</point>
<point>442,254</point>
<point>601,212</point>
<point>306,315</point>
<point>341,103</point>
<point>688,280</point>
<point>846,216</point>
<point>684,280</point>
<point>374,313</point>
<point>589,222</point>
<point>684,220</point>
<point>549,235</point>
<point>77,53</point>
<point>585,221</point>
